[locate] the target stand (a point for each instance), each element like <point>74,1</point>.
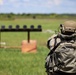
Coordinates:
<point>26,45</point>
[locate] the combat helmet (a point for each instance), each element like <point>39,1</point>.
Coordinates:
<point>68,27</point>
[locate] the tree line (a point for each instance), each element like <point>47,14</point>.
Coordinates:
<point>13,16</point>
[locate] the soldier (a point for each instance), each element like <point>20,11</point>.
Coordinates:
<point>61,59</point>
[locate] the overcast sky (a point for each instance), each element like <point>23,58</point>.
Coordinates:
<point>38,6</point>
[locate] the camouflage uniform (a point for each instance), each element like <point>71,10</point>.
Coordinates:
<point>68,28</point>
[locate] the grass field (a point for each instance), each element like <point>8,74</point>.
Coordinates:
<point>12,61</point>
<point>16,38</point>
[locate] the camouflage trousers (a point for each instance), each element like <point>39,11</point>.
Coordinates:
<point>60,73</point>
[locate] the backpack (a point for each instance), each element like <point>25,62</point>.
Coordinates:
<point>63,56</point>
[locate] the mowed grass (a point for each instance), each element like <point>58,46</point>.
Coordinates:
<point>15,39</point>
<point>12,61</point>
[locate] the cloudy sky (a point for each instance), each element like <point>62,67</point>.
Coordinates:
<point>38,6</point>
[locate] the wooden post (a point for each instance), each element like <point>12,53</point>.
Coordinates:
<point>28,36</point>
